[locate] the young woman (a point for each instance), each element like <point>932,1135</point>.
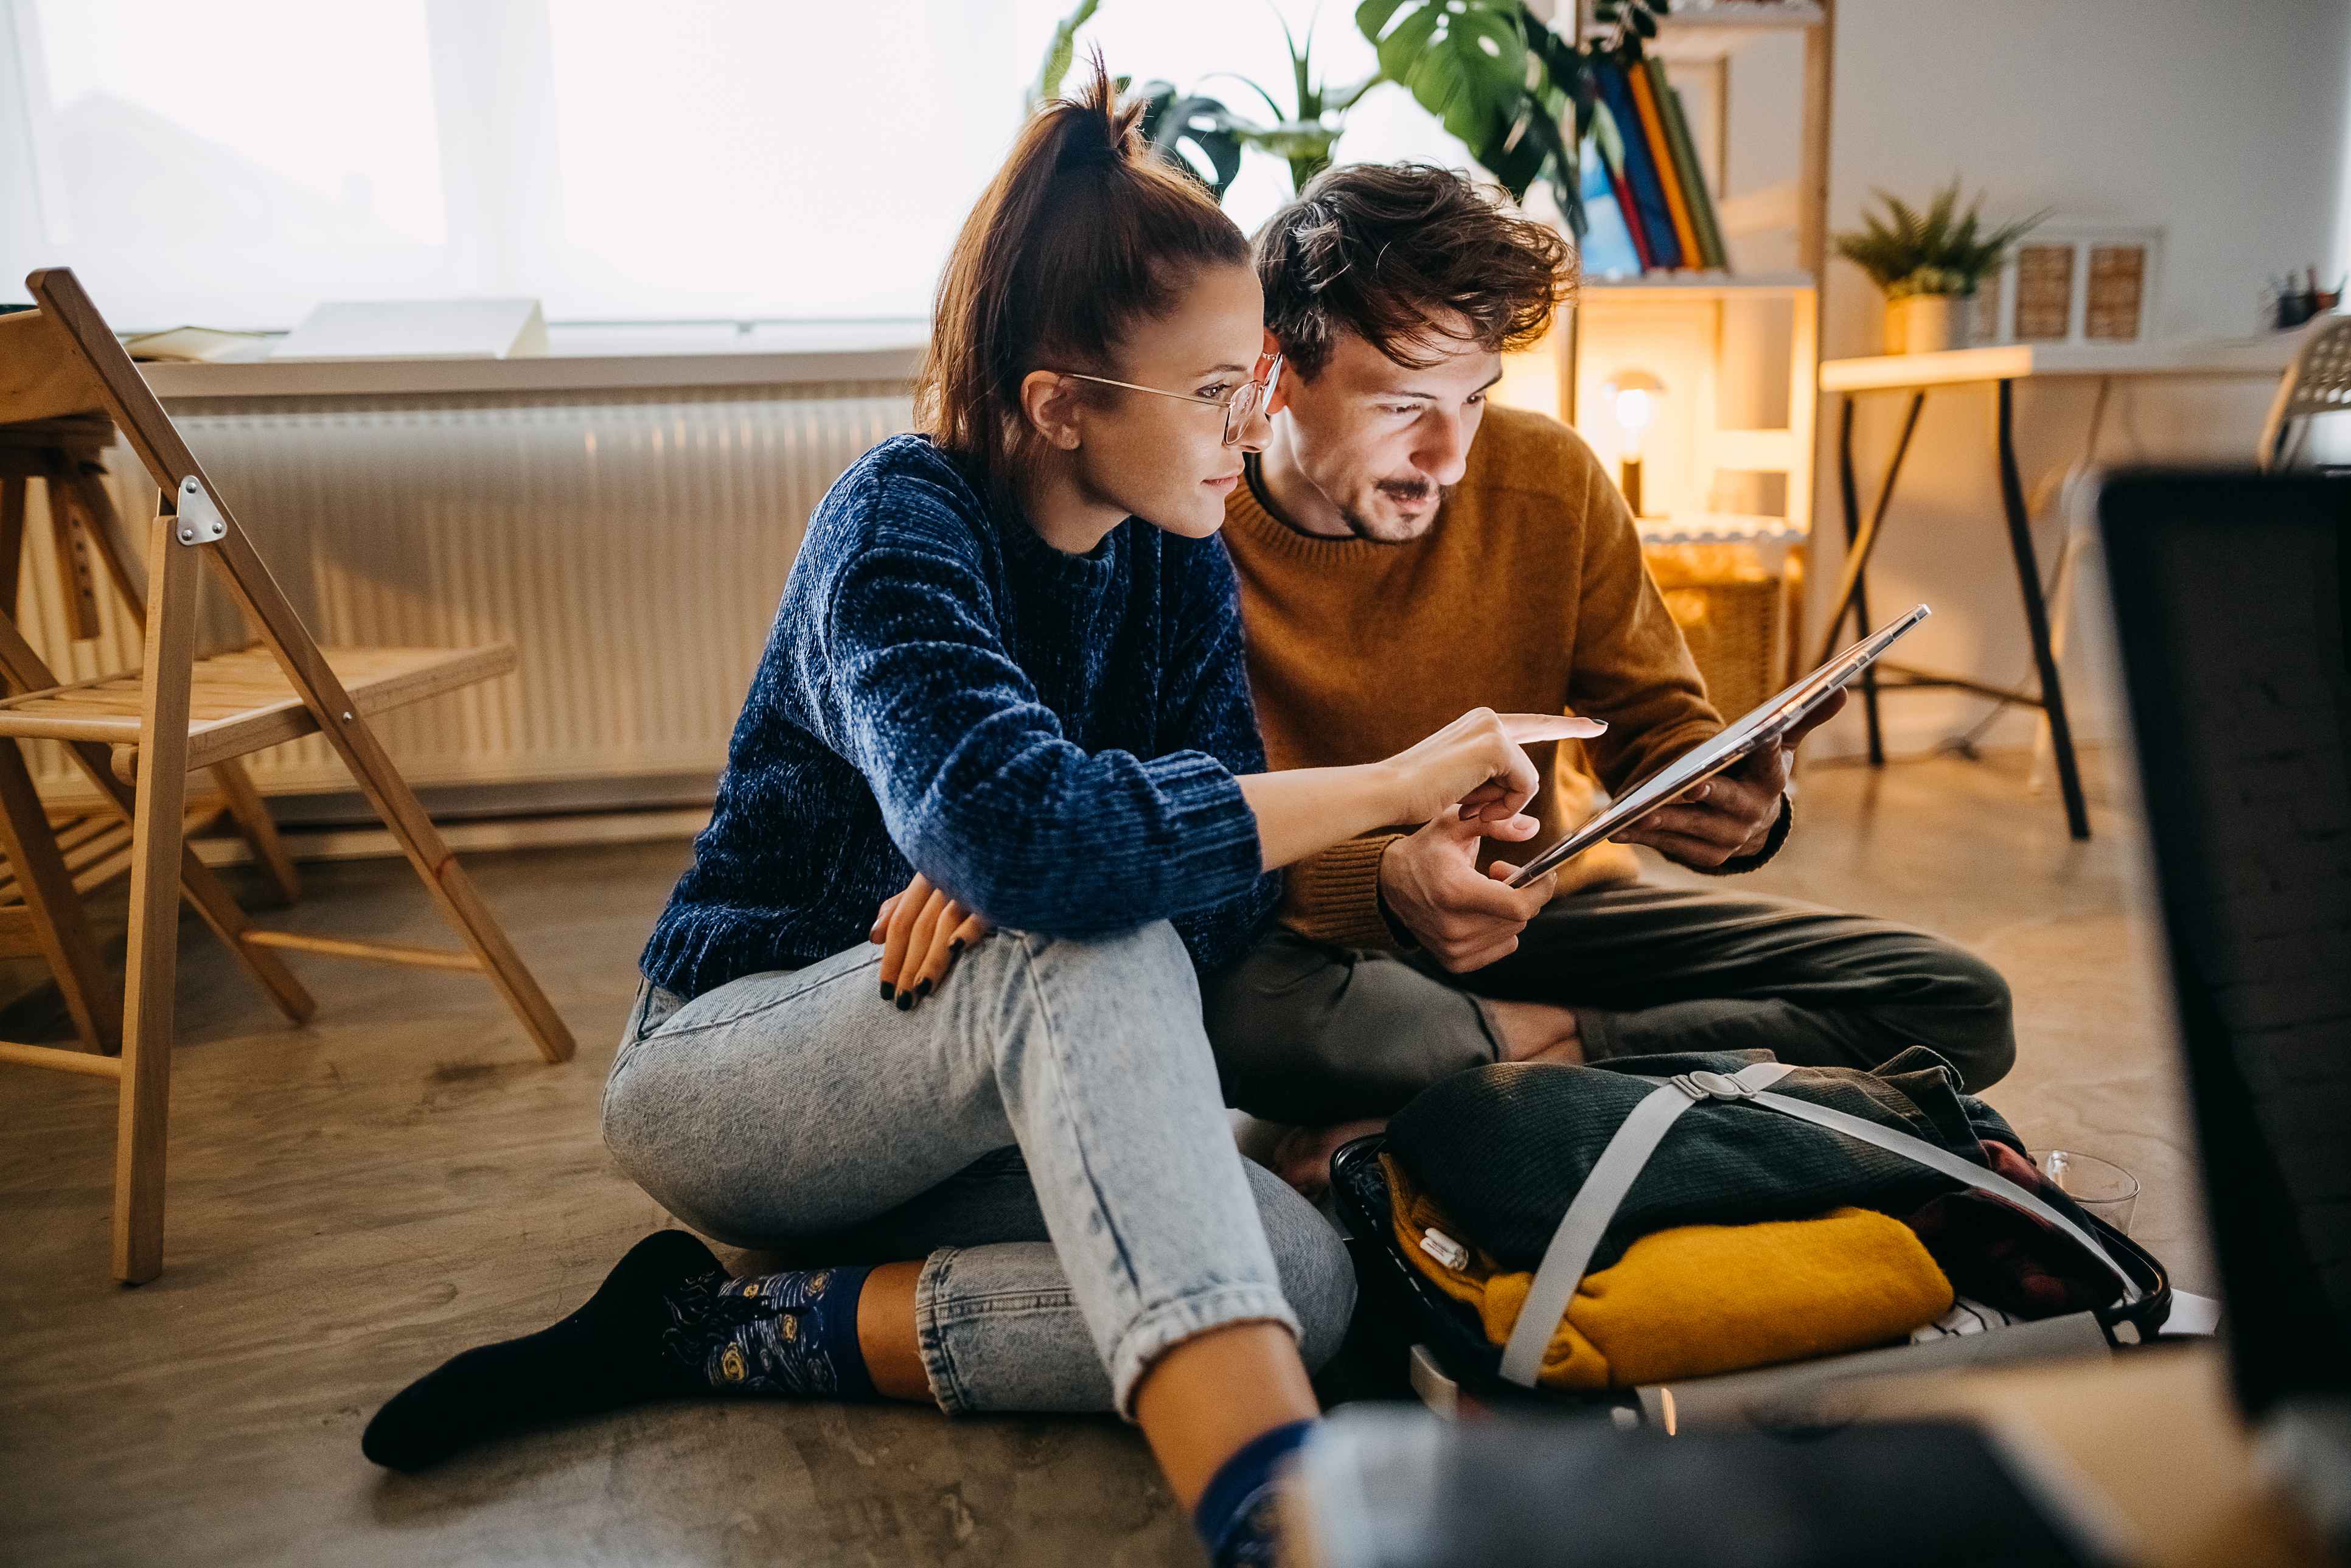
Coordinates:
<point>1003,703</point>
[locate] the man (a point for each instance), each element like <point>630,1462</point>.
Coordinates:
<point>1405,552</point>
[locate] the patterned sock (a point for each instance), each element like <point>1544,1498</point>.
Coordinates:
<point>792,1334</point>
<point>1234,1516</point>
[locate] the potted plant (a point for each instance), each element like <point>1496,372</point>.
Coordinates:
<point>1201,134</point>
<point>1928,264</point>
<point>1513,90</point>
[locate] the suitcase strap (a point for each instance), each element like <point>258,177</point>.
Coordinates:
<point>1565,1260</point>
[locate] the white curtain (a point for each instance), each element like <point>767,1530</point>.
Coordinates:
<point>234,163</point>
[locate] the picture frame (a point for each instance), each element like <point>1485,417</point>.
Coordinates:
<point>2073,282</point>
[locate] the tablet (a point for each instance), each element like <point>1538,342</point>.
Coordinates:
<point>1763,724</point>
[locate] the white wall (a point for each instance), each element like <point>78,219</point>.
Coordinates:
<point>2223,123</point>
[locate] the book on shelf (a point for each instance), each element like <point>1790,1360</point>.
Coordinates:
<point>1661,154</point>
<point>1611,144</point>
<point>1607,250</point>
<point>1653,217</point>
<point>1694,195</point>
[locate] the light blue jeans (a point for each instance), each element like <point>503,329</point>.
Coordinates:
<point>1044,1131</point>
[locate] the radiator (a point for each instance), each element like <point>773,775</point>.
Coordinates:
<point>633,546</point>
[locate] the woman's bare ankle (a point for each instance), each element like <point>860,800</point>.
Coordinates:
<point>886,1334</point>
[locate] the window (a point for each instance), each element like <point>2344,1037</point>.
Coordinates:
<point>235,163</point>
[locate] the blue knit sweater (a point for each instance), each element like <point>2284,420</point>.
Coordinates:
<point>1052,738</point>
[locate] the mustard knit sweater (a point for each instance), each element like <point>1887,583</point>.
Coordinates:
<point>1528,595</point>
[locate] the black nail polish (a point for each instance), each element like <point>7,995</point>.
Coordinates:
<point>956,946</point>
<point>888,990</point>
<point>905,1001</point>
<point>923,989</point>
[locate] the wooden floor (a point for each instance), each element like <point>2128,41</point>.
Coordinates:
<point>353,1201</point>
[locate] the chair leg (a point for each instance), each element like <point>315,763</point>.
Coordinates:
<point>60,923</point>
<point>258,828</point>
<point>172,574</point>
<point>13,495</point>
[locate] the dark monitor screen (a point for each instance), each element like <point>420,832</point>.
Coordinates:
<point>2229,594</point>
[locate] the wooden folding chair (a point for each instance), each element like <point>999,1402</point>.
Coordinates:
<point>66,457</point>
<point>181,711</point>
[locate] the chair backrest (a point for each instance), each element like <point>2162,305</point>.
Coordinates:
<point>67,346</point>
<point>2318,382</point>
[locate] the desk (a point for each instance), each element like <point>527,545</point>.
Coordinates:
<point>2003,366</point>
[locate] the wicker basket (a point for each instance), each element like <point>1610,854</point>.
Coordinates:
<point>1734,612</point>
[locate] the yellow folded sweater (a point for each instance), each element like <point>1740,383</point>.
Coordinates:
<point>1702,1299</point>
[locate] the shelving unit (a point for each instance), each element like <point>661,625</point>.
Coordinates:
<point>1729,463</point>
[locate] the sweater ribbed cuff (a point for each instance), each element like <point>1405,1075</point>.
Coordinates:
<point>1334,896</point>
<point>1739,864</point>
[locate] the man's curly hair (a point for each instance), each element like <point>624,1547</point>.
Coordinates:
<point>1401,253</point>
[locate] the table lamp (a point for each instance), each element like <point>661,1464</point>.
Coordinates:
<point>1633,397</point>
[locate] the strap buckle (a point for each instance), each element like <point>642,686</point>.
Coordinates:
<point>1707,1084</point>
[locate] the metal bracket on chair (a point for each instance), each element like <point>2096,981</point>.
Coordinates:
<point>200,520</point>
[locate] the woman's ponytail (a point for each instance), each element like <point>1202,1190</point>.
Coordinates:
<point>1084,231</point>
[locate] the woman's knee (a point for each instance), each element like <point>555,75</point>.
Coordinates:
<point>1318,1278</point>
<point>1100,985</point>
<point>694,1150</point>
<point>1134,954</point>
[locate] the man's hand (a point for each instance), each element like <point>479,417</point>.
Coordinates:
<point>1732,813</point>
<point>1465,917</point>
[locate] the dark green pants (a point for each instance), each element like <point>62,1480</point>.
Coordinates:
<point>1312,1034</point>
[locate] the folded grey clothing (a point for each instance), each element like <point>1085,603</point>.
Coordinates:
<point>1503,1150</point>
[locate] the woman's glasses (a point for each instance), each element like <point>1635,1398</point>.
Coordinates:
<point>1240,404</point>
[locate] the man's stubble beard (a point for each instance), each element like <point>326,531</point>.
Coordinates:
<point>1359,529</point>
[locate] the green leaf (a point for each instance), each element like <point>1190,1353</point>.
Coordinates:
<point>1346,98</point>
<point>1559,165</point>
<point>1271,107</point>
<point>1197,134</point>
<point>1465,61</point>
<point>1060,51</point>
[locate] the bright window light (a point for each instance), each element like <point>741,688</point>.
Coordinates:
<point>235,163</point>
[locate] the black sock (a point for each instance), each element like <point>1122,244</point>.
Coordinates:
<point>608,1353</point>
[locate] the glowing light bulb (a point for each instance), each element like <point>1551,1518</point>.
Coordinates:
<point>1633,397</point>
<point>1633,412</point>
